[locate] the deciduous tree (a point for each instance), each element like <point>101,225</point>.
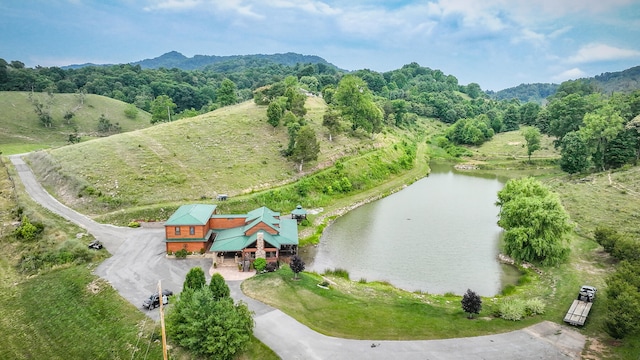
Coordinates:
<point>535,222</point>
<point>574,153</point>
<point>306,146</point>
<point>162,107</point>
<point>226,94</point>
<point>296,265</point>
<point>471,303</point>
<point>532,138</point>
<point>214,328</point>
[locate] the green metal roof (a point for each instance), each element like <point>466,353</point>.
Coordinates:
<point>194,214</point>
<point>234,239</point>
<point>299,211</point>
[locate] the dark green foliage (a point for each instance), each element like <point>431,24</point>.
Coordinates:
<point>274,113</point>
<point>623,305</point>
<point>621,150</point>
<point>526,92</point>
<point>306,146</point>
<point>471,303</point>
<point>575,153</point>
<point>218,287</point>
<point>214,328</point>
<point>535,222</point>
<point>511,119</point>
<point>226,94</point>
<point>259,264</point>
<point>296,265</point>
<point>606,237</point>
<point>470,131</point>
<point>195,279</point>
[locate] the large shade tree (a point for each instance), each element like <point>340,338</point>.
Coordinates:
<point>214,328</point>
<point>355,102</point>
<point>535,222</point>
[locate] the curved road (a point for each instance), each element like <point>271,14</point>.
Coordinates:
<point>138,262</point>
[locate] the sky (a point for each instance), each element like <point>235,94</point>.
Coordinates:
<point>494,43</point>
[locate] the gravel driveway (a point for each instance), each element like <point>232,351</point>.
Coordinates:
<point>138,263</point>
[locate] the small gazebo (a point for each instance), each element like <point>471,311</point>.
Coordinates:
<point>299,214</point>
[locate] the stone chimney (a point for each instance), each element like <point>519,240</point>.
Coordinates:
<point>260,253</point>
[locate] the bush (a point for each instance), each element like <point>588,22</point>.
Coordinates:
<point>271,267</point>
<point>169,252</point>
<point>259,264</point>
<point>181,254</point>
<point>512,309</point>
<point>28,230</point>
<point>535,306</point>
<point>134,224</point>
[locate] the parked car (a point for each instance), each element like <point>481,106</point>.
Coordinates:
<point>154,300</point>
<point>95,244</point>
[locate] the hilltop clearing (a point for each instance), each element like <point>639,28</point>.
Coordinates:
<point>21,130</point>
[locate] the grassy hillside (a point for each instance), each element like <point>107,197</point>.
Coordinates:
<point>231,151</point>
<point>21,130</point>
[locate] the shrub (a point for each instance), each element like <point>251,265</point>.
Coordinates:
<point>134,224</point>
<point>271,267</point>
<point>202,250</point>
<point>169,252</point>
<point>512,309</point>
<point>28,230</point>
<point>181,254</point>
<point>535,306</point>
<point>259,264</point>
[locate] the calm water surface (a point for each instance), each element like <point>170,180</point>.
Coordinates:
<point>438,235</point>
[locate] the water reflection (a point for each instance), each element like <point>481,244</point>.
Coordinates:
<point>438,235</point>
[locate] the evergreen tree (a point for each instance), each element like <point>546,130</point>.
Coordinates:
<point>219,287</point>
<point>195,279</point>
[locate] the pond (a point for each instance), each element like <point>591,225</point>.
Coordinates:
<point>437,235</point>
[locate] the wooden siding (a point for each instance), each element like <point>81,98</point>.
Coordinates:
<point>189,246</point>
<point>261,227</point>
<point>199,233</point>
<point>226,223</point>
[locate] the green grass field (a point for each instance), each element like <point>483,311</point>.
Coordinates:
<point>229,151</point>
<point>21,130</point>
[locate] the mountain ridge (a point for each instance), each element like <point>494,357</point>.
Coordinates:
<point>175,59</point>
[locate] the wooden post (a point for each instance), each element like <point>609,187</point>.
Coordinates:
<point>164,336</point>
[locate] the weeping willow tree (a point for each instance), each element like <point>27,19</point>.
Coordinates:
<point>535,222</point>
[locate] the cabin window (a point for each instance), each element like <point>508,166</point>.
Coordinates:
<point>192,230</point>
<point>177,230</point>
<point>270,254</point>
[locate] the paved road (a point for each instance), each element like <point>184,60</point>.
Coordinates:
<point>138,262</point>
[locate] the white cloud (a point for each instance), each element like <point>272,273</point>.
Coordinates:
<point>595,52</point>
<point>312,7</point>
<point>570,74</point>
<point>233,6</point>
